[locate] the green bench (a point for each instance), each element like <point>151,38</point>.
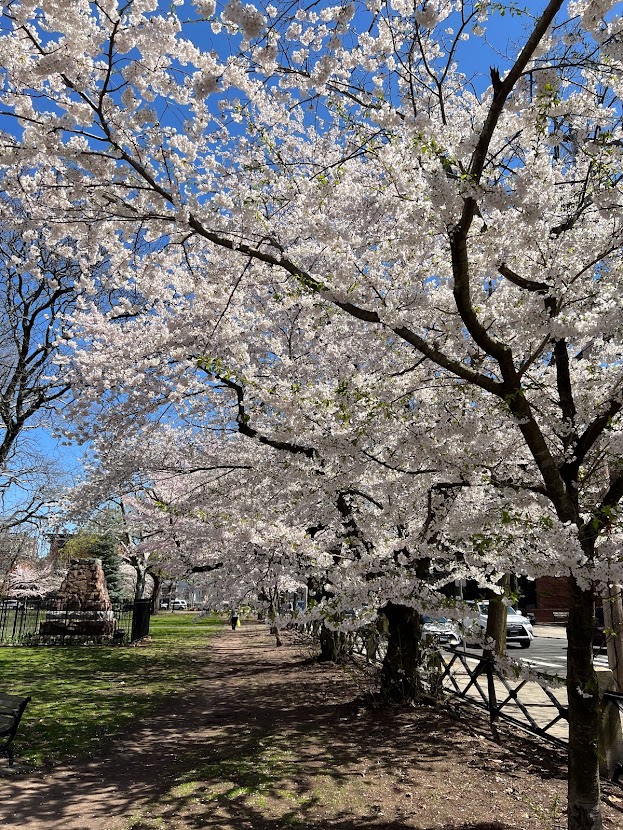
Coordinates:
<point>11,710</point>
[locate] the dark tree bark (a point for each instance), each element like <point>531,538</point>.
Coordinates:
<point>583,695</point>
<point>400,673</point>
<point>496,618</point>
<point>335,646</point>
<point>141,574</point>
<point>155,597</point>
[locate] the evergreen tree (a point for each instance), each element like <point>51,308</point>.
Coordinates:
<point>105,548</point>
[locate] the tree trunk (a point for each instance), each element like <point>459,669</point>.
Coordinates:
<point>276,632</point>
<point>496,618</point>
<point>335,646</point>
<point>613,622</point>
<point>155,596</point>
<point>583,693</point>
<point>400,672</point>
<point>139,588</point>
<point>274,627</point>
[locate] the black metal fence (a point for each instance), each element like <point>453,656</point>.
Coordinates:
<point>537,703</point>
<point>43,621</point>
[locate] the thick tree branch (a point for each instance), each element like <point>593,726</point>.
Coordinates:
<point>204,569</point>
<point>591,434</point>
<point>504,89</point>
<point>548,467</point>
<point>564,386</point>
<point>459,233</point>
<point>242,422</point>
<point>522,282</point>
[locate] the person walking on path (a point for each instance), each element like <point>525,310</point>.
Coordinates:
<point>234,619</point>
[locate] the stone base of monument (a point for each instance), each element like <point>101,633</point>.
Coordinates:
<point>78,623</point>
<point>83,609</point>
<point>74,640</point>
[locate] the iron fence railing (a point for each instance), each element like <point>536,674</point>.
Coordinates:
<point>536,703</point>
<point>41,621</point>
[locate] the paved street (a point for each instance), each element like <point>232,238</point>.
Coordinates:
<point>551,656</point>
<point>548,651</point>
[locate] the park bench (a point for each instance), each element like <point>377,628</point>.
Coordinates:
<point>11,710</point>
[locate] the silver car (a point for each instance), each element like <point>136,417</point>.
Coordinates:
<point>441,630</point>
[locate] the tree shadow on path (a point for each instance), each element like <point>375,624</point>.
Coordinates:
<point>267,740</point>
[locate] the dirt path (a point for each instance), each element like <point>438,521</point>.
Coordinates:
<point>236,696</point>
<point>269,740</point>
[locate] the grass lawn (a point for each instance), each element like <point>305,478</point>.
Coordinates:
<point>82,694</point>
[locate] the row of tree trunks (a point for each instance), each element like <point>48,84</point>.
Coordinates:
<point>400,682</point>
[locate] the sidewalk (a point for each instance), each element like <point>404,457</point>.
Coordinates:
<point>552,632</point>
<point>268,739</point>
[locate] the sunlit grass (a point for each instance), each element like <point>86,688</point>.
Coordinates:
<point>83,695</point>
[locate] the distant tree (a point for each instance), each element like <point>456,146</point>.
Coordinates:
<point>32,580</point>
<point>17,550</point>
<point>39,286</point>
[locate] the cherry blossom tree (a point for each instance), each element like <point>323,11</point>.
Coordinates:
<point>338,209</point>
<point>31,580</point>
<point>223,505</point>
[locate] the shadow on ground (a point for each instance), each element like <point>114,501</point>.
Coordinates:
<point>269,741</point>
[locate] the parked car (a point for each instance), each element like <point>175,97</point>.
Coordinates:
<point>10,604</point>
<point>179,605</point>
<point>441,630</point>
<point>519,629</point>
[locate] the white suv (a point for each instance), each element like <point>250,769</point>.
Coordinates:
<point>518,628</point>
<point>179,605</point>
